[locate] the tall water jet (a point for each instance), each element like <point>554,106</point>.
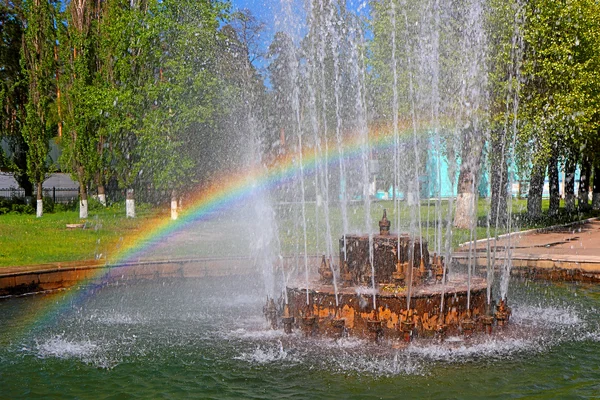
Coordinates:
<point>315,64</point>
<point>515,82</point>
<point>291,25</point>
<point>331,24</point>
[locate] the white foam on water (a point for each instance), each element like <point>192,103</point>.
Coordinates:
<point>376,365</point>
<point>464,351</point>
<point>267,355</point>
<point>344,343</point>
<point>100,355</point>
<point>257,334</point>
<point>117,319</point>
<point>63,348</point>
<point>593,336</point>
<point>545,316</point>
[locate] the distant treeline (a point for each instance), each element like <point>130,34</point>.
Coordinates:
<point>167,94</point>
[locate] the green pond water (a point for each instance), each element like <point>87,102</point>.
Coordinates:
<point>208,339</point>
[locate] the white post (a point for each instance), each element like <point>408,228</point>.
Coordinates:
<point>130,204</point>
<point>83,209</point>
<point>40,208</point>
<point>174,213</point>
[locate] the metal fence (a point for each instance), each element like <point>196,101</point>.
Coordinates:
<point>67,195</point>
<point>59,195</point>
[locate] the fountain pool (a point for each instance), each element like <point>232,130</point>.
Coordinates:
<point>208,339</point>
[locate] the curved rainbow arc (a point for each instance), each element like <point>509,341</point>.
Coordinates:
<point>230,191</point>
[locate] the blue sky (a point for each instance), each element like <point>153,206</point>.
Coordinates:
<point>263,10</point>
<point>270,12</point>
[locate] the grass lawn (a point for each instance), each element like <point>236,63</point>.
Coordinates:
<point>27,240</point>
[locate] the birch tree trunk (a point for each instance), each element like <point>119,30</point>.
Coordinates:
<point>40,201</point>
<point>596,188</point>
<point>174,213</point>
<point>584,184</point>
<point>101,194</point>
<point>536,188</point>
<point>570,167</point>
<point>499,185</point>
<point>553,185</point>
<point>83,201</point>
<point>130,204</point>
<point>466,215</point>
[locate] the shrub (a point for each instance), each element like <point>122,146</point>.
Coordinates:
<point>94,204</point>
<point>22,209</point>
<point>17,208</point>
<point>70,206</point>
<point>48,205</point>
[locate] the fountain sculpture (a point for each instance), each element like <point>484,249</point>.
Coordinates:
<point>413,294</point>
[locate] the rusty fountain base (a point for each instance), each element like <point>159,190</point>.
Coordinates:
<point>390,315</point>
<point>403,269</point>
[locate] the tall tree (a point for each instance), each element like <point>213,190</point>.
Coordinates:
<point>78,105</point>
<point>560,96</point>
<point>183,96</point>
<point>504,23</point>
<point>473,106</point>
<point>13,93</point>
<point>38,67</point>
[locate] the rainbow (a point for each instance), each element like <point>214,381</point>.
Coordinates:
<point>229,191</point>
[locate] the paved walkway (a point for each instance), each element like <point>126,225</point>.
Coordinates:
<point>576,246</point>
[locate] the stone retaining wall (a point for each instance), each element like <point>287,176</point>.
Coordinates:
<point>544,268</point>
<point>60,276</point>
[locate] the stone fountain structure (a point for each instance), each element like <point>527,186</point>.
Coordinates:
<point>402,300</point>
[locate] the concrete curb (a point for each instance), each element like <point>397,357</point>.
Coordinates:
<point>49,277</point>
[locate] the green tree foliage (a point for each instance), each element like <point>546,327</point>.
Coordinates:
<point>182,95</point>
<point>13,94</point>
<point>157,87</point>
<point>79,103</point>
<point>38,63</point>
<point>561,93</point>
<point>504,23</point>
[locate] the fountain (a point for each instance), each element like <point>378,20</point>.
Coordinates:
<point>409,289</point>
<point>385,304</point>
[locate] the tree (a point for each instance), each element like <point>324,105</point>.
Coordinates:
<point>78,104</point>
<point>504,22</point>
<point>472,64</point>
<point>560,96</point>
<point>13,93</point>
<point>38,68</point>
<point>158,87</point>
<point>183,97</point>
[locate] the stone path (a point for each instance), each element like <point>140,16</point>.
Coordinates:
<point>572,247</point>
